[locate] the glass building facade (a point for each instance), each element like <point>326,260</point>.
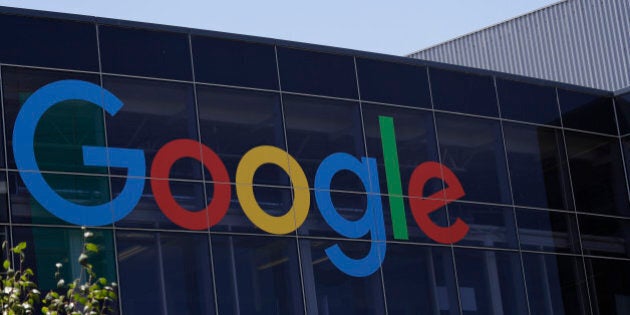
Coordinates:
<point>544,167</point>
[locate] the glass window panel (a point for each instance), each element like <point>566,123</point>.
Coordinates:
<point>587,112</point>
<point>257,275</point>
<point>555,285</point>
<point>541,230</point>
<point>82,190</point>
<point>234,121</point>
<point>4,200</point>
<point>154,113</point>
<point>603,236</point>
<point>528,102</point>
<point>317,73</point>
<point>489,226</point>
<point>490,282</point>
<point>420,280</point>
<point>538,166</point>
<point>165,273</point>
<point>319,127</point>
<point>63,130</point>
<point>145,52</point>
<point>608,284</point>
<point>473,149</point>
<point>46,247</point>
<point>350,206</point>
<point>463,92</point>
<point>415,141</point>
<point>622,103</point>
<point>394,83</point>
<point>233,62</point>
<point>597,173</point>
<point>328,290</point>
<point>415,233</point>
<point>38,35</point>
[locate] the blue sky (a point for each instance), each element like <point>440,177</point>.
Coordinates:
<point>395,27</point>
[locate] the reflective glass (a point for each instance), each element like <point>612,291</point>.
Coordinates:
<point>78,189</point>
<point>63,129</point>
<point>317,73</point>
<point>164,273</point>
<point>463,92</point>
<point>145,53</point>
<point>154,113</point>
<point>350,206</point>
<point>257,275</point>
<point>420,280</point>
<point>318,127</point>
<point>587,112</point>
<point>597,174</point>
<point>415,233</point>
<point>555,285</point>
<point>234,121</point>
<point>330,291</point>
<point>414,135</point>
<point>4,200</point>
<point>231,62</point>
<point>489,226</point>
<point>528,102</point>
<point>608,284</point>
<point>548,231</point>
<point>603,236</point>
<point>473,149</point>
<point>46,247</point>
<point>45,42</point>
<point>394,83</point>
<point>490,282</point>
<point>538,166</point>
<point>622,104</point>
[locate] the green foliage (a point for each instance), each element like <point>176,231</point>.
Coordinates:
<point>87,295</point>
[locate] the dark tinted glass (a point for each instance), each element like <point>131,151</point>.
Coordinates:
<point>414,136</point>
<point>420,280</point>
<point>257,275</point>
<point>154,113</point>
<point>394,83</point>
<point>608,284</point>
<point>490,282</point>
<point>350,206</point>
<point>415,233</point>
<point>587,112</point>
<point>555,285</point>
<point>165,273</point>
<point>605,236</point>
<point>482,219</point>
<point>234,63</point>
<point>234,121</point>
<point>463,92</point>
<point>63,130</point>
<point>83,190</point>
<point>319,127</point>
<point>541,230</point>
<point>622,104</point>
<point>48,43</point>
<point>528,102</point>
<point>329,291</point>
<point>311,72</point>
<point>4,201</point>
<point>49,246</point>
<point>538,166</point>
<point>145,53</point>
<point>597,173</point>
<point>473,149</point>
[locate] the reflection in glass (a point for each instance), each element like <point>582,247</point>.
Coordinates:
<point>608,284</point>
<point>538,167</point>
<point>541,230</point>
<point>490,282</point>
<point>350,206</point>
<point>597,174</point>
<point>622,104</point>
<point>463,92</point>
<point>555,285</point>
<point>328,290</point>
<point>589,112</point>
<point>165,273</point>
<point>258,275</point>
<point>605,236</point>
<point>420,280</point>
<point>473,149</point>
<point>528,102</point>
<point>489,226</point>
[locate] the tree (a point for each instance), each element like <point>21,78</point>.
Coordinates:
<point>86,295</point>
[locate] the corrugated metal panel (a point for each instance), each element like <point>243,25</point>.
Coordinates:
<point>582,42</point>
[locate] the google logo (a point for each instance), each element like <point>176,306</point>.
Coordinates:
<point>133,160</point>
